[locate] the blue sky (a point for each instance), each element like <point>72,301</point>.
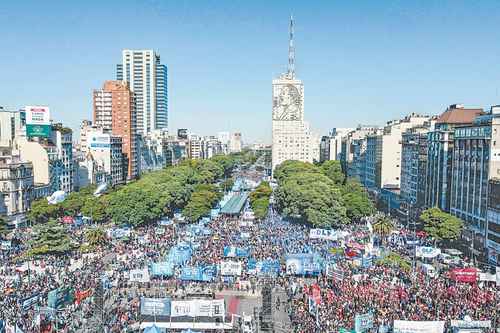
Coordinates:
<point>360,61</point>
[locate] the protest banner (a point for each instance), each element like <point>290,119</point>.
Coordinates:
<point>80,295</point>
<point>363,322</point>
<point>427,252</point>
<point>266,267</point>
<point>468,323</point>
<point>233,251</point>
<point>29,302</point>
<point>245,235</point>
<point>198,308</point>
<point>204,273</point>
<point>303,264</point>
<point>407,326</point>
<point>155,306</point>
<point>164,268</point>
<point>231,268</point>
<point>139,275</point>
<point>327,234</point>
<point>180,253</point>
<point>59,297</point>
<point>5,245</point>
<point>468,275</point>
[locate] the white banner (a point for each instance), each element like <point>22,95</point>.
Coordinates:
<point>139,275</point>
<point>198,308</point>
<point>323,234</point>
<point>487,277</point>
<point>471,323</point>
<point>230,268</point>
<point>406,326</point>
<point>37,115</point>
<point>246,223</point>
<point>427,251</point>
<point>183,309</point>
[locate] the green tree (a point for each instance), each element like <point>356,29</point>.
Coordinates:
<point>383,226</point>
<point>440,225</point>
<point>395,260</point>
<point>288,168</point>
<point>4,228</point>
<point>95,236</point>
<point>259,200</point>
<point>333,170</point>
<point>51,238</point>
<point>41,211</point>
<point>356,200</point>
<point>95,208</point>
<point>312,198</point>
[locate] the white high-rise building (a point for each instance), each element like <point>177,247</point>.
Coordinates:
<point>147,79</point>
<point>292,137</point>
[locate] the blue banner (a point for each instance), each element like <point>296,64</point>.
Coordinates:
<point>59,297</point>
<point>233,251</point>
<point>164,268</point>
<point>166,222</point>
<point>180,254</point>
<point>267,267</point>
<point>198,230</point>
<point>205,273</point>
<point>304,264</point>
<point>155,306</point>
<point>367,262</point>
<point>30,301</point>
<point>363,322</point>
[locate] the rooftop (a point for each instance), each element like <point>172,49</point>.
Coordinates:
<point>459,115</point>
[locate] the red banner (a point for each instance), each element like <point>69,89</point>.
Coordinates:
<point>464,274</point>
<point>316,294</point>
<point>81,295</point>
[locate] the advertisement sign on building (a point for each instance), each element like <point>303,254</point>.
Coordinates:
<point>37,121</point>
<point>98,140</point>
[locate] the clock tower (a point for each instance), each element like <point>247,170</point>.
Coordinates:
<point>292,138</point>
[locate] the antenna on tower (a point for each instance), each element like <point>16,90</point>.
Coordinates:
<point>291,51</point>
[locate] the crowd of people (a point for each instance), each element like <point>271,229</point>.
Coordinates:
<point>111,300</point>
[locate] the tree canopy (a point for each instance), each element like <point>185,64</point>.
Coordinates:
<point>154,195</point>
<point>441,225</point>
<point>50,238</point>
<point>259,200</point>
<point>319,194</point>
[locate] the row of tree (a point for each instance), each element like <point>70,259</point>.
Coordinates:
<point>320,194</point>
<point>193,187</point>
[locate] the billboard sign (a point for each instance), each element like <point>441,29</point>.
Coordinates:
<point>98,140</point>
<point>37,121</point>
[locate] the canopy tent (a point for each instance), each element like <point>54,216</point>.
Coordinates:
<point>235,205</point>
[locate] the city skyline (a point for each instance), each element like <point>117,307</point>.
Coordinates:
<point>399,58</point>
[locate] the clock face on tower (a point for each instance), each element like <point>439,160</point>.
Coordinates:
<point>287,103</point>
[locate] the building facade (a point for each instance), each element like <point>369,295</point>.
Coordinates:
<point>292,138</point>
<point>106,151</point>
<point>114,112</point>
<point>414,165</point>
<point>16,187</point>
<point>493,219</point>
<point>440,154</point>
<point>148,80</point>
<point>383,153</point>
<point>473,164</point>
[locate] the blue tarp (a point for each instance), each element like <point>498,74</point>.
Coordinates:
<point>205,273</point>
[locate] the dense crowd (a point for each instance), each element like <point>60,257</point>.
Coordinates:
<point>388,292</point>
